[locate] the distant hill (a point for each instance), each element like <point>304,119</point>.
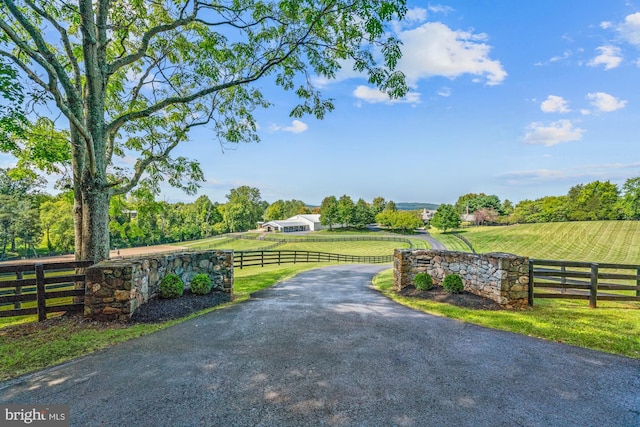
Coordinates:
<point>414,206</point>
<point>403,206</point>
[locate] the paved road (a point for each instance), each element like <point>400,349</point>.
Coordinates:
<point>435,244</point>
<point>326,349</point>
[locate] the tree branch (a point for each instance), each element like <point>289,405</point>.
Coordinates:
<point>146,39</point>
<point>65,41</point>
<point>140,168</point>
<point>119,121</point>
<point>52,88</point>
<point>43,49</point>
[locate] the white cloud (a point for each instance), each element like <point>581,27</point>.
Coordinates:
<point>610,57</point>
<point>376,96</point>
<point>438,8</point>
<point>552,133</point>
<point>629,30</point>
<point>433,49</point>
<point>565,55</point>
<point>605,103</point>
<point>444,91</point>
<point>554,104</point>
<point>345,72</point>
<point>606,25</point>
<point>297,126</point>
<point>417,14</point>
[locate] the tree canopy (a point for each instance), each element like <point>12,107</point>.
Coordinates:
<point>133,79</point>
<point>445,218</point>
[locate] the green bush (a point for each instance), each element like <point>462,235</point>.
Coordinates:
<point>171,286</point>
<point>200,284</point>
<point>453,284</point>
<point>423,282</point>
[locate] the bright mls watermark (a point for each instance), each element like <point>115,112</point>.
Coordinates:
<point>34,415</point>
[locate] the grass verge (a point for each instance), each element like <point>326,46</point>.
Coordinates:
<point>36,345</point>
<point>612,327</point>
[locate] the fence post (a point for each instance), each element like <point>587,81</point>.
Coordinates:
<point>530,289</point>
<point>638,282</point>
<point>593,289</point>
<point>42,298</point>
<point>241,254</point>
<point>563,279</point>
<point>18,291</point>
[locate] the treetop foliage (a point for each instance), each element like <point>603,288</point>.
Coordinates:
<point>445,218</point>
<point>138,76</point>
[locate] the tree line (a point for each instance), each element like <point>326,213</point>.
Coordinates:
<point>34,222</point>
<point>597,200</point>
<point>346,213</point>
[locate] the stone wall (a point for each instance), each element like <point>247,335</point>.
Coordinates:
<point>116,288</point>
<point>503,278</point>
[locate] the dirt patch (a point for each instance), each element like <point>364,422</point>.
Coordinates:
<point>464,299</point>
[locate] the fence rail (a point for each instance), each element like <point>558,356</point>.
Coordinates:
<point>243,259</point>
<point>464,240</point>
<point>41,287</point>
<point>559,282</point>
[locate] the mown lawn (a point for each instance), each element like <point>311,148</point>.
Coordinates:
<point>357,248</point>
<point>451,242</point>
<point>227,243</point>
<point>597,241</point>
<point>302,243</point>
<point>612,327</point>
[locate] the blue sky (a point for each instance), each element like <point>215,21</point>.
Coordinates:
<point>513,98</point>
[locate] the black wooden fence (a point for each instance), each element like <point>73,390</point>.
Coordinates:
<point>25,283</point>
<point>253,258</point>
<point>583,280</point>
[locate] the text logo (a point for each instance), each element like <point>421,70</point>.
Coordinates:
<point>34,415</point>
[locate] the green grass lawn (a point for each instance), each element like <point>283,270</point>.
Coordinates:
<point>227,243</point>
<point>613,327</point>
<point>358,248</point>
<point>301,243</point>
<point>451,242</point>
<point>597,241</point>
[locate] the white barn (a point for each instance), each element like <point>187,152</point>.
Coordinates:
<point>309,222</point>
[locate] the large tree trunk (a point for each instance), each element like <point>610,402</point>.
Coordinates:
<point>93,222</point>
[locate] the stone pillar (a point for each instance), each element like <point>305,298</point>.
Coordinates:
<point>501,277</point>
<point>116,288</point>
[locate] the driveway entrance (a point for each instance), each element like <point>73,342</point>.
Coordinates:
<point>326,349</point>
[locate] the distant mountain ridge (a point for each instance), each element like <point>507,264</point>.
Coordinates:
<point>414,206</point>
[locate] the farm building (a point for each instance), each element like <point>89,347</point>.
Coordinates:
<point>295,223</point>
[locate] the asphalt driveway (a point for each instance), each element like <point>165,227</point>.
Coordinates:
<point>326,349</point>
